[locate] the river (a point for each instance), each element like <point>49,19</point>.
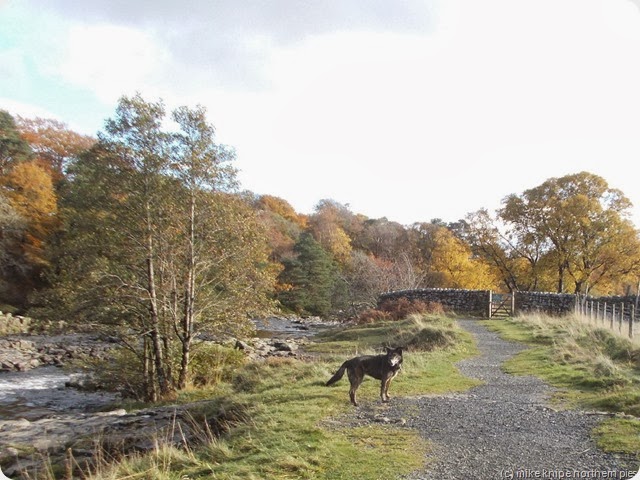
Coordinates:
<point>276,327</point>
<point>41,391</point>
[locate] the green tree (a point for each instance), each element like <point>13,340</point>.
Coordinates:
<point>312,277</point>
<point>13,148</point>
<point>239,270</point>
<point>135,137</point>
<point>158,247</point>
<point>12,262</point>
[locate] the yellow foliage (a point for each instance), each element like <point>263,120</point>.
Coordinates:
<point>339,244</point>
<point>283,208</point>
<point>30,190</point>
<point>453,260</point>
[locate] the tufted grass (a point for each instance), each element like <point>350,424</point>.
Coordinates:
<point>294,425</point>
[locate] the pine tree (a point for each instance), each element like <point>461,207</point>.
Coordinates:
<point>312,276</point>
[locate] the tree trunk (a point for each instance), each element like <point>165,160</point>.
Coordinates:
<point>150,391</point>
<point>163,381</point>
<point>189,297</point>
<point>561,278</point>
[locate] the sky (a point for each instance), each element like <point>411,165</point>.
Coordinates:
<point>411,110</point>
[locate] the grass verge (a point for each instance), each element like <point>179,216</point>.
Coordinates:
<point>285,406</point>
<point>592,368</point>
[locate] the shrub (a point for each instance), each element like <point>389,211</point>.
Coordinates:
<point>213,363</point>
<point>372,315</point>
<point>432,338</point>
<point>401,308</point>
<point>122,374</point>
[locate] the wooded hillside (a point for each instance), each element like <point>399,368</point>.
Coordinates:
<point>146,230</point>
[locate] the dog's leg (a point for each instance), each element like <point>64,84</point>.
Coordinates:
<point>384,386</point>
<point>355,380</point>
<point>352,396</point>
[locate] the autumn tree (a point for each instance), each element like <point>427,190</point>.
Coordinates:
<point>517,255</point>
<point>284,225</point>
<point>52,142</point>
<point>366,277</point>
<point>395,247</point>
<point>577,222</point>
<point>327,225</point>
<point>454,266</point>
<point>28,190</point>
<point>29,151</point>
<point>282,208</point>
<point>383,238</point>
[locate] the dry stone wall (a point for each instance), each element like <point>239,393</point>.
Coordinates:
<point>476,302</point>
<point>551,303</point>
<point>467,302</point>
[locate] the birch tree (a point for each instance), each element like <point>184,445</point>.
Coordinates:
<point>168,249</point>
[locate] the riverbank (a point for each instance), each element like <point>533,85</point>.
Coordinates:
<point>42,414</point>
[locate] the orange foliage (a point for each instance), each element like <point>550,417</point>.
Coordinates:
<point>29,189</point>
<point>52,142</point>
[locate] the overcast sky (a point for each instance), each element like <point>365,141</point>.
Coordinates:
<point>412,110</point>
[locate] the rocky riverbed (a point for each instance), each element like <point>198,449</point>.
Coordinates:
<point>22,352</point>
<point>42,415</point>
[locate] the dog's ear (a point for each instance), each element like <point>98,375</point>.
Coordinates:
<point>387,350</point>
<point>399,350</point>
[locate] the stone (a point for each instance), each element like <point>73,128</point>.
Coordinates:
<point>284,346</point>
<point>113,413</point>
<point>240,345</point>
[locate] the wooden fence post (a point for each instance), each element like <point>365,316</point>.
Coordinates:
<point>613,316</point>
<point>490,303</point>
<point>513,303</point>
<point>632,317</point>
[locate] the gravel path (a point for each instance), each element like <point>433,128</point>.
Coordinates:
<point>505,428</point>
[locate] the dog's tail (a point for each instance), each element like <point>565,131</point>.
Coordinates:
<point>338,375</point>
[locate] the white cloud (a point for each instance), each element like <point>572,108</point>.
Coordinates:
<point>227,42</point>
<point>111,60</point>
<point>411,110</point>
<point>455,120</point>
